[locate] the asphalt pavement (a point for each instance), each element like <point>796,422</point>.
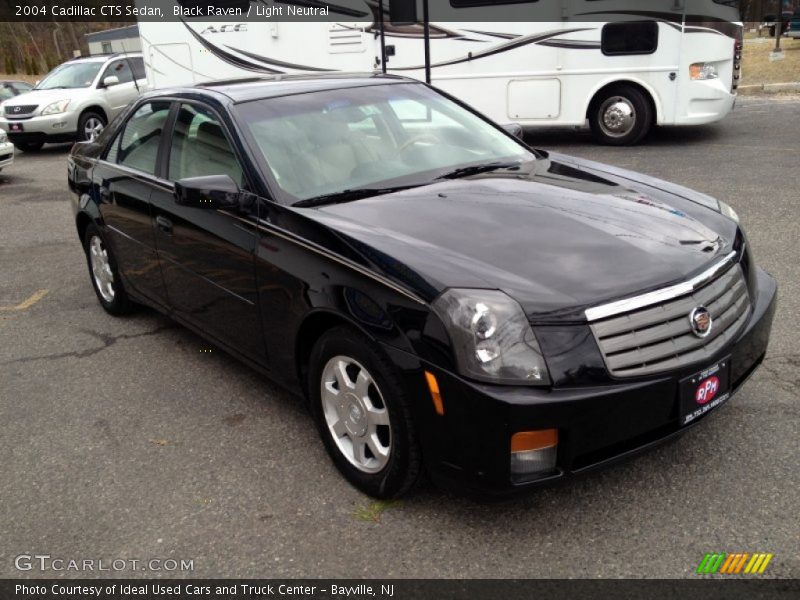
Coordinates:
<point>133,439</point>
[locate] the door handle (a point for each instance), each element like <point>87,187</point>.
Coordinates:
<point>164,224</point>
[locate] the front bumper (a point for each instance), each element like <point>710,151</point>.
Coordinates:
<point>62,127</point>
<point>469,446</point>
<point>6,154</point>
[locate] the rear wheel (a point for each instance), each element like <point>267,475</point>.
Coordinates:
<point>29,146</point>
<point>105,277</point>
<point>363,415</point>
<point>620,116</point>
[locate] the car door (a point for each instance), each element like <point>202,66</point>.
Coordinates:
<point>119,95</point>
<point>123,181</point>
<point>206,255</point>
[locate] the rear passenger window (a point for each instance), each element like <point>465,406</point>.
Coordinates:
<point>199,147</point>
<point>637,37</point>
<point>137,64</point>
<point>137,146</point>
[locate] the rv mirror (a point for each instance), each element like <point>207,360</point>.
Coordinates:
<point>403,12</point>
<point>208,191</point>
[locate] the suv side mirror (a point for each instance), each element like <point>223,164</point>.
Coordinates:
<point>514,129</point>
<point>209,191</point>
<point>110,80</point>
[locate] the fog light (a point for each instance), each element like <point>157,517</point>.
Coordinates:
<point>59,125</point>
<point>533,453</point>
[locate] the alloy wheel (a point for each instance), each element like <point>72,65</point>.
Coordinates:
<point>101,269</point>
<point>92,128</point>
<point>356,414</point>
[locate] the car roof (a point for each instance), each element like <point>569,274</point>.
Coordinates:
<point>258,88</point>
<point>104,57</point>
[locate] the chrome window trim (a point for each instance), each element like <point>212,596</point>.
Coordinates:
<point>679,289</point>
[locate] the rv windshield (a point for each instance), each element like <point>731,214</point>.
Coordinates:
<point>377,137</point>
<point>71,75</point>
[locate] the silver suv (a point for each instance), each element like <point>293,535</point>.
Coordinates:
<point>74,101</point>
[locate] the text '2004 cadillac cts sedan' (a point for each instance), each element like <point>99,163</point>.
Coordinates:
<point>446,298</point>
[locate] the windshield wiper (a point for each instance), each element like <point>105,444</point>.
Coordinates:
<point>478,169</point>
<point>349,195</point>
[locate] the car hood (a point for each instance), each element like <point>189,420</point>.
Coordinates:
<point>559,235</point>
<point>42,98</point>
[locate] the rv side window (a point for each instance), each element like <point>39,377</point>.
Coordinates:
<point>639,37</point>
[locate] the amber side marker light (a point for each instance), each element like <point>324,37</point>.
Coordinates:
<point>533,453</point>
<point>436,396</point>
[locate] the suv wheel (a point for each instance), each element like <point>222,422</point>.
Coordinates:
<point>363,415</point>
<point>90,125</point>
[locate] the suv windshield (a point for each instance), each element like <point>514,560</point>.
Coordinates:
<point>378,137</point>
<point>71,75</point>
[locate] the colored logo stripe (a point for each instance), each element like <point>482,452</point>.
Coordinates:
<point>732,564</point>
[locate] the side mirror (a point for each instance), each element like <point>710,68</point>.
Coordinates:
<point>110,80</point>
<point>514,129</point>
<point>210,191</point>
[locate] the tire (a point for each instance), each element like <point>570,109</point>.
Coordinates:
<point>90,125</point>
<point>29,146</point>
<point>620,116</point>
<point>381,414</point>
<point>104,274</point>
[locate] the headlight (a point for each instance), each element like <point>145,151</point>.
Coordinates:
<point>3,137</point>
<point>56,107</point>
<point>491,337</point>
<point>702,71</point>
<point>728,211</point>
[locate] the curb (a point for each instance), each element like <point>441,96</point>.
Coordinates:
<point>769,88</point>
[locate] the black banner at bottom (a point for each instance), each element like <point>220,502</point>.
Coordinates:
<point>397,589</point>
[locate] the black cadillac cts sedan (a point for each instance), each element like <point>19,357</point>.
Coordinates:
<point>447,299</point>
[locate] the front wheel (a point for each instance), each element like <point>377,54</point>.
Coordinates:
<point>90,125</point>
<point>620,116</point>
<point>105,277</point>
<point>363,415</point>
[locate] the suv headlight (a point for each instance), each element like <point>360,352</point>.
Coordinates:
<point>703,71</point>
<point>3,137</point>
<point>56,107</point>
<point>491,337</point>
<point>728,211</point>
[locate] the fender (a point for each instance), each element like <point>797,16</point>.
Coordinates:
<point>613,79</point>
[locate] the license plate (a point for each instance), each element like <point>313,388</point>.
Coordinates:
<point>705,391</point>
<point>15,126</point>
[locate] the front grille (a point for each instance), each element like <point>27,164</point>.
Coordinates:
<point>659,337</point>
<point>4,157</point>
<point>20,109</point>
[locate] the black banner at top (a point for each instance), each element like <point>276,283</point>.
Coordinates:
<point>366,11</point>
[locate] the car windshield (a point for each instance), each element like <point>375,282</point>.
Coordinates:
<point>376,137</point>
<point>71,75</point>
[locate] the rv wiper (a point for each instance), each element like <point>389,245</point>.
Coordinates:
<point>349,195</point>
<point>478,169</point>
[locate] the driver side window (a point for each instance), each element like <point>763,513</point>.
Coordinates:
<point>199,147</point>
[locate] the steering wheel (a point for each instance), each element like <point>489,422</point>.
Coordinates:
<point>417,138</point>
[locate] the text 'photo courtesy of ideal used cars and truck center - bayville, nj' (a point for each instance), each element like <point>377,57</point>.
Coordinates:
<point>427,225</point>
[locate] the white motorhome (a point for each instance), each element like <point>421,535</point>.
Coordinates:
<point>623,65</point>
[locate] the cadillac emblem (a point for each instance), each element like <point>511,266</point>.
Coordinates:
<point>700,320</point>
